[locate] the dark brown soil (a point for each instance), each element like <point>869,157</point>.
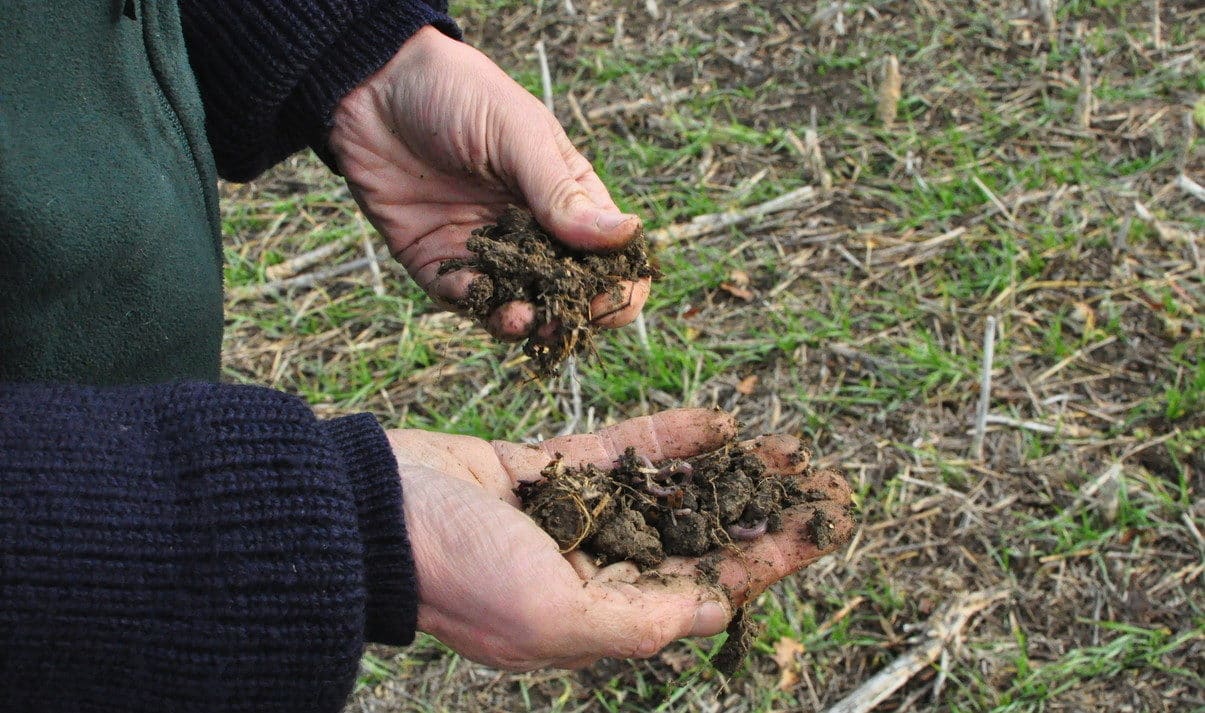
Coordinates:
<point>643,512</point>
<point>519,261</point>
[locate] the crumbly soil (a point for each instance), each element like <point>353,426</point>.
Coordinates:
<point>519,261</point>
<point>644,512</point>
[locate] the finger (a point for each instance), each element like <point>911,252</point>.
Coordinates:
<point>610,311</point>
<point>636,620</point>
<point>553,178</point>
<point>512,321</point>
<point>583,564</point>
<point>618,572</point>
<point>780,453</point>
<point>678,433</point>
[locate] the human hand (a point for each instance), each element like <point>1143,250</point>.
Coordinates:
<point>494,587</point>
<point>440,141</point>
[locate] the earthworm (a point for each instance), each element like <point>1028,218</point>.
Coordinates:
<point>677,467</point>
<point>661,491</point>
<point>740,532</point>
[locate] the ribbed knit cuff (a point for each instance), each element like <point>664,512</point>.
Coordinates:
<point>367,45</point>
<point>392,609</point>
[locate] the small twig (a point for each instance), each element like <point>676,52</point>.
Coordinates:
<point>1156,25</point>
<point>642,332</point>
<point>304,261</point>
<point>545,74</point>
<point>890,91</point>
<point>943,628</point>
<point>985,388</point>
<point>1039,427</point>
<point>1083,105</point>
<point>303,281</point>
<point>576,109</point>
<point>631,107</point>
<point>714,222</point>
<point>1191,187</point>
<point>374,268</point>
<point>575,398</point>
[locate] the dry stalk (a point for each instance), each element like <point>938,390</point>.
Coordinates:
<point>890,91</point>
<point>943,628</point>
<point>715,222</point>
<point>985,388</point>
<point>374,268</point>
<point>1156,25</point>
<point>545,74</point>
<point>306,260</point>
<point>638,105</point>
<point>1083,106</point>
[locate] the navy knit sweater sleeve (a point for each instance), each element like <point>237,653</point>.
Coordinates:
<point>270,72</point>
<point>192,547</point>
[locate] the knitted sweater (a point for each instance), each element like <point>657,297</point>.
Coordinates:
<point>204,547</point>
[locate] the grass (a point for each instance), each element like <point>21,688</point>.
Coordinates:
<point>987,197</point>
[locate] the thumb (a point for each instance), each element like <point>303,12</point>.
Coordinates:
<point>638,620</point>
<point>565,194</point>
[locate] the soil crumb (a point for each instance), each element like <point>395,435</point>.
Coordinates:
<point>520,261</point>
<point>644,512</point>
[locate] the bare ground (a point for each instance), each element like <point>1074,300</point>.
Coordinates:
<point>1030,175</point>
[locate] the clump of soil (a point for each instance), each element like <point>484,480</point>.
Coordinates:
<point>643,512</point>
<point>520,261</point>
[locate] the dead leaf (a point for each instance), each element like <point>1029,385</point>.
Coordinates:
<point>786,655</point>
<point>747,385</point>
<point>737,291</point>
<point>679,660</point>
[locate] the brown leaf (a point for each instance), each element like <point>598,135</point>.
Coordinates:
<point>741,293</point>
<point>747,385</point>
<point>786,650</point>
<point>677,659</point>
<point>786,655</point>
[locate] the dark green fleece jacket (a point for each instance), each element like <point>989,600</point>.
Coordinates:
<point>110,256</point>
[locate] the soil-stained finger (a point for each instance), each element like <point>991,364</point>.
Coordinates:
<point>678,433</point>
<point>512,321</point>
<point>810,531</point>
<point>781,453</point>
<point>610,311</point>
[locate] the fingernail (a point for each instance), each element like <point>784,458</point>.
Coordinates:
<point>611,221</point>
<point>710,619</point>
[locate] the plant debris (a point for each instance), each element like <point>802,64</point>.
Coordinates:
<point>519,261</point>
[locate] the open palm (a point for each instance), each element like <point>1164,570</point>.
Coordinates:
<point>440,141</point>
<point>495,587</point>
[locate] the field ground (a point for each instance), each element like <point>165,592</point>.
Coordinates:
<point>1030,175</point>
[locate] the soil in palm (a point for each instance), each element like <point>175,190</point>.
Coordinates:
<point>643,512</point>
<point>519,261</point>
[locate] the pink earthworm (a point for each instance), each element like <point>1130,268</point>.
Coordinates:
<point>742,533</point>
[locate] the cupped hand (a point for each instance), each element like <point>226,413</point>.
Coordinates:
<point>494,586</point>
<point>440,141</point>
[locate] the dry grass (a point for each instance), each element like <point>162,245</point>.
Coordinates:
<point>1029,174</point>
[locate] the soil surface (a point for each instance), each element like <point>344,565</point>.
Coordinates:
<point>521,262</point>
